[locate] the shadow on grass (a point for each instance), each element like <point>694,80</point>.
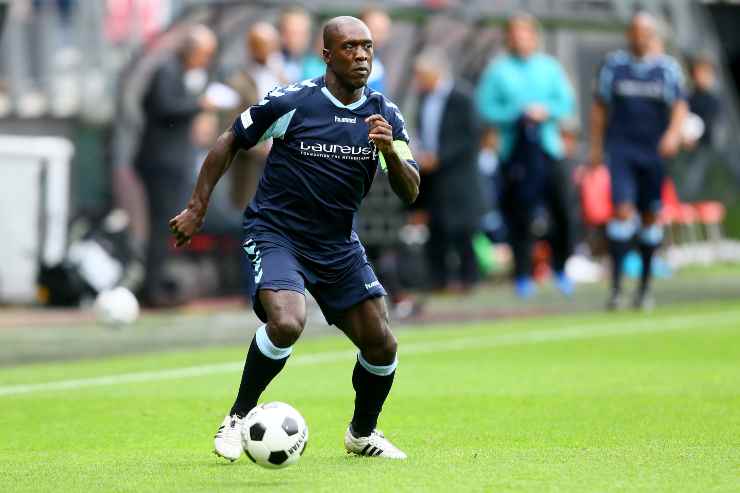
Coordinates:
<point>279,480</point>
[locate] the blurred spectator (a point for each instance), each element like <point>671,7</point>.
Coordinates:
<point>295,36</point>
<point>492,223</point>
<point>262,72</point>
<point>265,67</point>
<point>64,10</point>
<point>703,101</point>
<point>313,65</point>
<point>705,105</point>
<point>447,152</point>
<point>173,99</point>
<point>524,94</point>
<point>636,123</point>
<point>379,23</point>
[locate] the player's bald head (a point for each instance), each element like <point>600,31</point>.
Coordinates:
<point>644,20</point>
<point>338,27</point>
<point>642,33</point>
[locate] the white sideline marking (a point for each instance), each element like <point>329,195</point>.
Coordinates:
<point>480,342</point>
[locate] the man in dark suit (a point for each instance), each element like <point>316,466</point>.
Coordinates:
<point>164,160</point>
<point>448,156</point>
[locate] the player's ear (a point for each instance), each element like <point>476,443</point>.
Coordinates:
<point>326,55</point>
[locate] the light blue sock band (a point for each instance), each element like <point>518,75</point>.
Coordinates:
<point>266,346</point>
<point>621,230</point>
<point>652,235</point>
<point>380,370</point>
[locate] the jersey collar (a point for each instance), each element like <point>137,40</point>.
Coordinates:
<point>339,104</point>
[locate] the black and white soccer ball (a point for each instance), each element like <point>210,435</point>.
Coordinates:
<point>274,435</point>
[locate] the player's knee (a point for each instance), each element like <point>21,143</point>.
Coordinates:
<point>380,345</point>
<point>624,212</point>
<point>390,347</point>
<point>285,329</point>
<point>649,219</point>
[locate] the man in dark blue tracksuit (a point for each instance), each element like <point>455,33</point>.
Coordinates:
<point>637,115</point>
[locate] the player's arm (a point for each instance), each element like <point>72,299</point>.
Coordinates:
<point>598,129</point>
<point>190,220</point>
<point>675,98</point>
<point>404,178</point>
<point>599,113</point>
<point>254,125</point>
<point>670,143</point>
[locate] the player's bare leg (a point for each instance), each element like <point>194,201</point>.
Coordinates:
<point>366,324</point>
<point>268,353</point>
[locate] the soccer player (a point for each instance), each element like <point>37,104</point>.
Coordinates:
<point>329,136</point>
<point>636,122</point>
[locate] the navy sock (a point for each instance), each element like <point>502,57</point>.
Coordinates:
<point>259,370</point>
<point>371,391</point>
<point>650,239</point>
<point>618,251</point>
<point>646,253</point>
<point>620,234</point>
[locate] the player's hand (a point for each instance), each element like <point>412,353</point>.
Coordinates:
<point>184,225</point>
<point>537,113</point>
<point>206,104</point>
<point>381,133</point>
<point>669,144</point>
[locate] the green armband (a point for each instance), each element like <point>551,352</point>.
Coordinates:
<point>403,151</point>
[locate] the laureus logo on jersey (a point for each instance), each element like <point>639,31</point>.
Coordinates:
<point>337,151</point>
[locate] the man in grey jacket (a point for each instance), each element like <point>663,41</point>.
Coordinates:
<point>173,99</point>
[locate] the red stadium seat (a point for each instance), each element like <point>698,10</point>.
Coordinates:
<point>671,204</point>
<point>596,196</point>
<point>710,215</point>
<point>674,213</point>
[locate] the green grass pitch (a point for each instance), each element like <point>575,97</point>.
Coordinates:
<point>570,403</point>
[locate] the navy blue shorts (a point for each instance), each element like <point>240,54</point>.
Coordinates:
<point>636,177</point>
<point>275,267</point>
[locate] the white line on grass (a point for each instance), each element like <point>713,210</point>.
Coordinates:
<point>587,331</point>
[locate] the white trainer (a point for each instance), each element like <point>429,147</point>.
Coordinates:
<point>375,445</point>
<point>228,439</point>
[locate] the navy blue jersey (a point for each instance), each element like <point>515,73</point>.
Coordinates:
<point>319,169</point>
<point>639,95</point>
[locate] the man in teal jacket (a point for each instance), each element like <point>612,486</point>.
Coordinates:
<point>527,93</point>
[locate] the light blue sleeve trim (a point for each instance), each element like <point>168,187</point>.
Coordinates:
<point>380,370</point>
<point>266,346</point>
<point>606,77</point>
<point>278,128</point>
<point>674,87</point>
